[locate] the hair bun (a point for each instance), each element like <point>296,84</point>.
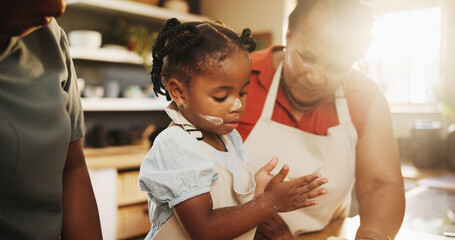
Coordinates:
<point>247,40</point>
<point>172,22</point>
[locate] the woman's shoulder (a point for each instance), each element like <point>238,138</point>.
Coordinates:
<point>360,93</point>
<point>265,59</point>
<point>359,83</point>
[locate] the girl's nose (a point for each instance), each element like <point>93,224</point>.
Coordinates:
<point>236,105</point>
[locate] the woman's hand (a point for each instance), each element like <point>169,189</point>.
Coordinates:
<point>263,176</point>
<point>295,193</point>
<point>273,228</point>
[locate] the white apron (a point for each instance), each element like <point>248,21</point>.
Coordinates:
<point>332,155</point>
<point>223,190</point>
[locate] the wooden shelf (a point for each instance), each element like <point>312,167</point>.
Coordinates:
<point>124,104</point>
<point>135,9</point>
<point>106,55</point>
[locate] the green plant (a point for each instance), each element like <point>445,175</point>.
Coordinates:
<point>137,38</point>
<point>140,40</point>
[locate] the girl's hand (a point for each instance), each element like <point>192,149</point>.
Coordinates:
<point>296,193</point>
<point>263,176</point>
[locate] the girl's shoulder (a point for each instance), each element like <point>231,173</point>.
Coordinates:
<point>175,148</point>
<point>174,135</point>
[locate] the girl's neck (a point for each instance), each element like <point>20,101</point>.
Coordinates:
<point>211,139</point>
<point>215,141</point>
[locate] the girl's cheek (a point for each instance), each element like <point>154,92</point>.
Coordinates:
<point>214,120</point>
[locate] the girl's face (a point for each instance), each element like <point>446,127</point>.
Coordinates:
<point>215,101</point>
<point>317,59</point>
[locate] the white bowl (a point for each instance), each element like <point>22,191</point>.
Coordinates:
<point>85,38</point>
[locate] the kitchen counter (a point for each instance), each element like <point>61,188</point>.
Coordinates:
<point>425,214</point>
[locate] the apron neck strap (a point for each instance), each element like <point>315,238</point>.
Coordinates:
<point>177,117</point>
<point>341,106</point>
<point>271,95</point>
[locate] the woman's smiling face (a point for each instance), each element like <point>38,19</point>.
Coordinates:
<point>317,59</point>
<point>215,101</point>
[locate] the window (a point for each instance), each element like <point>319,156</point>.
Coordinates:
<point>405,55</point>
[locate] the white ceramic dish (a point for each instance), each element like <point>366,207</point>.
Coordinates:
<point>85,38</point>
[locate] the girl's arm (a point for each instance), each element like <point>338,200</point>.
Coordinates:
<point>201,221</point>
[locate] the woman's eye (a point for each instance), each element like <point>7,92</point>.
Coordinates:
<point>219,99</point>
<point>307,58</point>
<point>242,94</point>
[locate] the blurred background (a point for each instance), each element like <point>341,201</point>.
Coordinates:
<point>410,58</point>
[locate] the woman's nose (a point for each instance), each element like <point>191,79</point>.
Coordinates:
<point>316,77</point>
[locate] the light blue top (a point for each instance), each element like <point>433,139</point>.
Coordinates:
<point>177,169</point>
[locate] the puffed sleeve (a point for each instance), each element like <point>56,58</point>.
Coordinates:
<point>237,141</point>
<point>176,168</point>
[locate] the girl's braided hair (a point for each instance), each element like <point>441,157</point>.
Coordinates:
<point>183,50</point>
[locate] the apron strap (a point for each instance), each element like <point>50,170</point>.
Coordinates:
<point>269,104</point>
<point>176,116</point>
<point>341,106</point>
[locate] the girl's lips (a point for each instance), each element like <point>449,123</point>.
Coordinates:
<point>232,124</point>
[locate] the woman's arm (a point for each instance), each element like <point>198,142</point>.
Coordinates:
<point>201,221</point>
<point>379,183</point>
<point>80,213</point>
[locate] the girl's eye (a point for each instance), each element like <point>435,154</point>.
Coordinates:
<point>219,99</point>
<point>242,94</point>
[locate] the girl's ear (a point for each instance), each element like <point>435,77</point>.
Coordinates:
<point>176,91</point>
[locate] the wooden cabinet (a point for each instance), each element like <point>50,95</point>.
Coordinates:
<point>122,205</point>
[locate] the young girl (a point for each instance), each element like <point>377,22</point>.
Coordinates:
<point>195,175</point>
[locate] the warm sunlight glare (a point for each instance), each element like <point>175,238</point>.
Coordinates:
<point>404,55</point>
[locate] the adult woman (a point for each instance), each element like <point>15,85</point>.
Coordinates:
<point>45,189</point>
<point>310,109</point>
